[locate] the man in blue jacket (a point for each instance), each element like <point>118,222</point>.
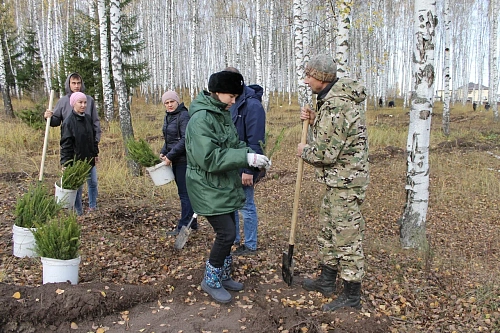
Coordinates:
<point>249,118</point>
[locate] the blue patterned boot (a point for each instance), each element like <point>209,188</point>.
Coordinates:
<point>212,284</point>
<point>227,281</point>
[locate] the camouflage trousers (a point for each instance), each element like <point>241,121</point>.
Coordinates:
<point>342,230</point>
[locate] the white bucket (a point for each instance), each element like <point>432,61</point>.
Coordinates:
<point>24,242</point>
<point>161,174</point>
<point>65,197</point>
<point>56,270</point>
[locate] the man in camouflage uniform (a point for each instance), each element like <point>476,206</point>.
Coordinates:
<point>338,148</point>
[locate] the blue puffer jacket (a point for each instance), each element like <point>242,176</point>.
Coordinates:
<point>174,131</point>
<point>249,117</point>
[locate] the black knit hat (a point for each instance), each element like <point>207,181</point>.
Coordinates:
<point>226,82</point>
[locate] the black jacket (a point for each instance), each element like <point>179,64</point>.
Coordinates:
<point>78,139</point>
<point>174,131</point>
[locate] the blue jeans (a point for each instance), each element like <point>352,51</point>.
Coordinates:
<point>250,220</point>
<point>92,186</point>
<point>225,232</point>
<point>186,209</point>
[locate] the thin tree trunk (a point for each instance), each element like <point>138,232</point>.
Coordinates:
<point>7,103</point>
<point>107,91</point>
<point>299,53</point>
<point>446,71</point>
<point>194,29</point>
<point>412,223</point>
<point>121,89</point>
<point>493,60</point>
<point>342,40</point>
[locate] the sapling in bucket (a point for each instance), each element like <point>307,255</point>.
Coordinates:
<point>140,152</point>
<point>73,176</point>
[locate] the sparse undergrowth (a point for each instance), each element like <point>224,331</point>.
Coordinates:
<point>453,286</point>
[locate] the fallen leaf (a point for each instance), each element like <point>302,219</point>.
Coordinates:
<point>17,295</point>
<point>59,291</point>
<point>74,326</point>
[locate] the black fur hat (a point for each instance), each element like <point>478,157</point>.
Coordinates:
<point>226,82</point>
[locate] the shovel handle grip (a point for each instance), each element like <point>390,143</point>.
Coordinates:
<point>298,184</point>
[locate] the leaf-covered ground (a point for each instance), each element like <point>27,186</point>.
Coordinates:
<point>132,279</point>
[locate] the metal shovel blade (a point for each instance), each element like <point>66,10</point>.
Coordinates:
<point>287,266</point>
<point>182,238</point>
<point>183,235</point>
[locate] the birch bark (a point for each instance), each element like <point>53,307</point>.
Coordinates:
<point>412,223</point>
<point>299,53</point>
<point>7,104</point>
<point>121,89</point>
<point>107,91</point>
<point>493,58</point>
<point>446,69</point>
<point>342,40</point>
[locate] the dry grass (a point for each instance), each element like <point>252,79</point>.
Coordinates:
<point>462,222</point>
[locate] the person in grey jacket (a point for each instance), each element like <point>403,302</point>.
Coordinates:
<point>74,83</point>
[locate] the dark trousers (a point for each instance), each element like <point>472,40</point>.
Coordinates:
<point>225,230</point>
<point>186,209</point>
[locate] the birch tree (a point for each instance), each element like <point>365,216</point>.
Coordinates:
<point>412,223</point>
<point>107,91</point>
<point>121,89</point>
<point>298,42</point>
<point>194,29</point>
<point>342,40</point>
<point>446,71</point>
<point>493,59</point>
<point>7,103</point>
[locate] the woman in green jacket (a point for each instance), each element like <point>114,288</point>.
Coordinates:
<point>214,155</point>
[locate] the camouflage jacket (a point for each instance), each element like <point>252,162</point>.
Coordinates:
<point>338,143</point>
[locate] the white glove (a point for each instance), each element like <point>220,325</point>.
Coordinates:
<point>258,161</point>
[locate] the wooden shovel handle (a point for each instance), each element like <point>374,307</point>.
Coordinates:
<point>46,138</point>
<point>298,183</point>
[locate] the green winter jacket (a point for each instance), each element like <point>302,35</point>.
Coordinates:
<point>214,155</point>
<point>338,141</point>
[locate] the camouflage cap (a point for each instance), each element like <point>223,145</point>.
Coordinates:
<point>322,67</point>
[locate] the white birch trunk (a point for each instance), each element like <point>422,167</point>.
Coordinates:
<point>270,60</point>
<point>121,89</point>
<point>41,45</point>
<point>412,223</point>
<point>258,38</point>
<point>299,53</point>
<point>493,58</point>
<point>107,91</point>
<point>95,57</point>
<point>192,62</point>
<point>9,111</point>
<point>446,69</point>
<point>342,38</point>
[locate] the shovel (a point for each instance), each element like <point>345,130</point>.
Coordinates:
<point>287,262</point>
<point>183,235</point>
<point>46,139</point>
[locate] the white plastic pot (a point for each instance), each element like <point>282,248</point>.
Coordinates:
<point>24,242</point>
<point>161,174</point>
<point>65,197</point>
<point>56,270</point>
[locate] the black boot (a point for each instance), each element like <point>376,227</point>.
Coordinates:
<point>325,283</point>
<point>351,297</point>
